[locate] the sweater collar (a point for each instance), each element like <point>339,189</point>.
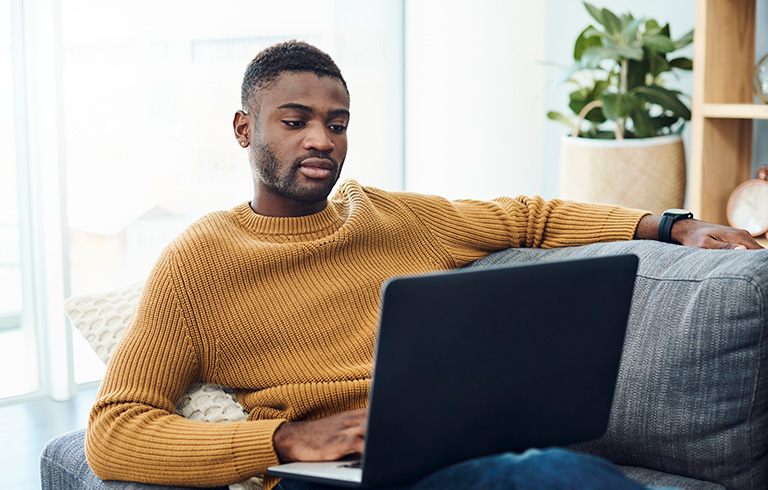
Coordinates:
<point>326,219</point>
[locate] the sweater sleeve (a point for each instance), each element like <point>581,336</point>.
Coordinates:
<point>133,433</point>
<point>469,229</point>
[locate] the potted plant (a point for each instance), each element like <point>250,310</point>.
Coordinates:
<point>626,125</point>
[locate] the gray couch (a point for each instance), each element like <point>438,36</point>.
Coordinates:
<point>691,407</point>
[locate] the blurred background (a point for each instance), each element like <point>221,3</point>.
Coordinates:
<point>115,129</point>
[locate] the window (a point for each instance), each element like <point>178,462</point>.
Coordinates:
<point>18,339</point>
<point>148,108</point>
<point>121,124</point>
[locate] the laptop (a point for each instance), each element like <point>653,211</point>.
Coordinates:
<point>476,362</point>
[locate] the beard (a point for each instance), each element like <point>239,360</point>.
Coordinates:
<point>282,178</point>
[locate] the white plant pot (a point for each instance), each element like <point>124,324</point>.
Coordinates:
<point>644,173</point>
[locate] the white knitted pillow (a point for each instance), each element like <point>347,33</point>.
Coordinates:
<point>102,318</point>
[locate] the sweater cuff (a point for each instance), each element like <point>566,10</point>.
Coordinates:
<point>592,223</point>
<point>253,447</point>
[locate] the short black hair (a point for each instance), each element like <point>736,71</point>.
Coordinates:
<point>290,56</point>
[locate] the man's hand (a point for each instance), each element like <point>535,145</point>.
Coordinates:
<point>694,233</point>
<point>326,439</point>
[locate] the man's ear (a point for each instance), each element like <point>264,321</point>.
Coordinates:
<point>242,127</point>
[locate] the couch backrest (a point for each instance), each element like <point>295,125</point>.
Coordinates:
<point>691,396</point>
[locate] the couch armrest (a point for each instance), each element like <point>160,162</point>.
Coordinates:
<point>63,467</point>
<point>691,394</point>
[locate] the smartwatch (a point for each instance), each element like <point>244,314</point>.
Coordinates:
<point>668,219</point>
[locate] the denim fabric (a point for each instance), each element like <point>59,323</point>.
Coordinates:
<point>550,469</point>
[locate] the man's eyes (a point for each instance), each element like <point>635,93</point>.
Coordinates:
<point>336,128</point>
<point>294,124</point>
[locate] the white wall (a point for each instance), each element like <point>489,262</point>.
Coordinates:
<point>474,97</point>
<point>478,89</point>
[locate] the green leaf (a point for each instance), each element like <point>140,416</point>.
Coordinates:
<point>631,30</point>
<point>568,73</point>
<point>612,23</point>
<point>617,106</point>
<point>599,88</point>
<point>561,118</point>
<point>603,135</point>
<point>657,63</point>
<point>681,63</point>
<point>660,43</point>
<point>684,41</point>
<point>663,122</point>
<point>595,13</point>
<point>636,72</point>
<point>604,36</point>
<point>630,52</point>
<point>643,124</point>
<point>651,25</point>
<point>592,57</point>
<point>667,99</point>
<point>580,98</point>
<point>584,42</point>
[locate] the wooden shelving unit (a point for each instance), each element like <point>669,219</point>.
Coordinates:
<point>723,108</point>
<point>735,111</point>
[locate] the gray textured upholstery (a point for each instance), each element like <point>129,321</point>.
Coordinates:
<point>691,395</point>
<point>657,479</point>
<point>63,467</point>
<point>691,406</point>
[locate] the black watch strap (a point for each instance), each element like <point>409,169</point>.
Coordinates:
<point>668,219</point>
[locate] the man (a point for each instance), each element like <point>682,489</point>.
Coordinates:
<point>279,299</point>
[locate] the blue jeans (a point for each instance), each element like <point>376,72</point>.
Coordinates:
<point>549,469</point>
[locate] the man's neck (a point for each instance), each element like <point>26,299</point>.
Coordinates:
<point>290,209</point>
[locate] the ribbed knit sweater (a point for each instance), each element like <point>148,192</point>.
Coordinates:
<point>285,310</point>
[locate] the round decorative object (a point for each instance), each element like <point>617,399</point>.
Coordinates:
<point>748,205</point>
<point>761,80</point>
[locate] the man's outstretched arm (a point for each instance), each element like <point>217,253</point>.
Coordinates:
<point>695,233</point>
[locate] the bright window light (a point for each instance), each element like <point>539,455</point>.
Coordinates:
<point>150,90</point>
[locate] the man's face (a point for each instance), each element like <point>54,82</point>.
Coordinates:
<point>298,143</point>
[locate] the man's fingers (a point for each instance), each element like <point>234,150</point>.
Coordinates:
<point>734,246</point>
<point>325,439</point>
<point>717,243</point>
<point>707,235</point>
<point>737,240</point>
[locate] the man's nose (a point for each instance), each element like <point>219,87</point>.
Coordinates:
<point>318,138</point>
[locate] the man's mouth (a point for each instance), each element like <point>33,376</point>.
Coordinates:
<point>317,167</point>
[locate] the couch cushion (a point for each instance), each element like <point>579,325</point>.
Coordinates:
<point>691,394</point>
<point>657,479</point>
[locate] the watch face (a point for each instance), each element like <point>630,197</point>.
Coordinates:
<point>748,207</point>
<point>676,211</point>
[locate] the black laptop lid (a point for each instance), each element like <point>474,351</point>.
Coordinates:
<point>482,361</point>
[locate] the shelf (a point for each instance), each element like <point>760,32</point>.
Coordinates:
<point>735,111</point>
<point>723,114</point>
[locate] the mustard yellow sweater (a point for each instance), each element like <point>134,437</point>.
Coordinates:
<point>285,310</point>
